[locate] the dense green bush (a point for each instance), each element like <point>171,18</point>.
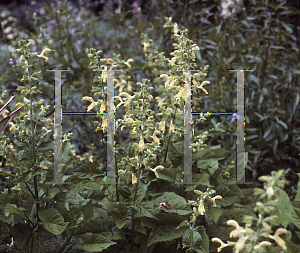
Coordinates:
<point>149,211</point>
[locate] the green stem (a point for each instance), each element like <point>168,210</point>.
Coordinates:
<point>66,242</point>
<point>170,136</point>
<point>33,144</point>
<point>117,180</point>
<point>192,242</point>
<point>133,201</point>
<point>260,225</point>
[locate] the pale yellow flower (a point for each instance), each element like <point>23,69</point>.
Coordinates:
<point>129,87</point>
<point>13,128</point>
<point>159,167</point>
<point>121,101</point>
<point>134,180</point>
<point>110,61</point>
<point>155,137</point>
<point>146,45</point>
<point>159,101</point>
<point>277,237</point>
<point>162,126</point>
<point>240,244</point>
<point>102,107</point>
<point>262,244</point>
<point>45,129</point>
<point>41,101</point>
<point>141,144</point>
<point>48,121</point>
<point>201,208</point>
<point>202,84</point>
<point>270,191</point>
<point>104,123</point>
<point>214,199</point>
<point>176,52</point>
<point>128,97</point>
<point>172,128</point>
<point>5,113</point>
<point>172,61</point>
<point>93,103</point>
<point>22,58</point>
<point>150,97</point>
<point>196,75</point>
<point>163,76</point>
<point>46,50</point>
<point>236,232</point>
<point>129,120</point>
<point>223,245</point>
<point>195,48</point>
<point>127,63</point>
<point>121,171</point>
<point>104,74</point>
<point>180,93</point>
<point>175,28</point>
<point>19,104</point>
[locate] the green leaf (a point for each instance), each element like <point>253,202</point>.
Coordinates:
<point>146,208</point>
<point>93,243</point>
<point>52,192</point>
<point>284,207</point>
<point>205,239</point>
<point>120,223</point>
<point>211,164</point>
<point>295,216</point>
<point>291,247</point>
<point>66,151</point>
<point>197,178</point>
<point>178,203</point>
<point>297,198</point>
<point>186,238</point>
<point>214,213</point>
<point>165,233</point>
<point>168,174</point>
<point>53,221</point>
<point>10,208</point>
<point>88,210</point>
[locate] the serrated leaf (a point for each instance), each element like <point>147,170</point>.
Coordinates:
<point>214,213</point>
<point>88,210</point>
<point>165,233</point>
<point>53,221</point>
<point>93,243</point>
<point>186,238</point>
<point>295,216</point>
<point>178,203</point>
<point>146,208</point>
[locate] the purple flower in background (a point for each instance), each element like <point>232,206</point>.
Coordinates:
<point>42,11</point>
<point>135,4</point>
<point>11,61</point>
<point>33,48</point>
<point>117,10</point>
<point>235,116</point>
<point>78,42</point>
<point>96,42</point>
<point>50,27</point>
<point>58,2</point>
<point>72,31</point>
